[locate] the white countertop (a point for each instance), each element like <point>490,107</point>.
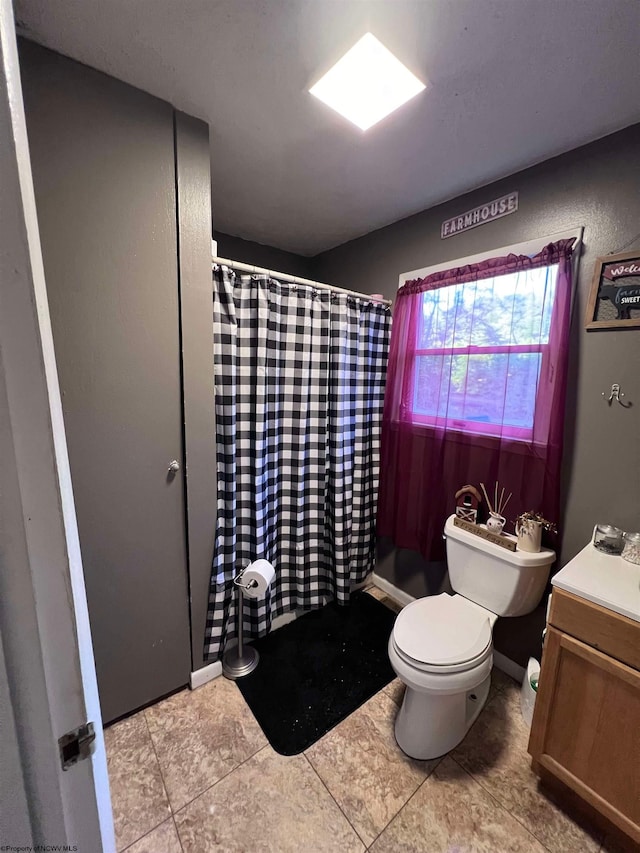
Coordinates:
<point>610,581</point>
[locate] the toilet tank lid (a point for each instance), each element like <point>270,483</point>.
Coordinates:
<point>442,629</point>
<point>518,558</point>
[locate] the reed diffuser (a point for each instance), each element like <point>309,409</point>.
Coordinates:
<point>496,520</point>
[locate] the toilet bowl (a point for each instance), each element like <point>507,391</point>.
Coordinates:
<point>441,646</point>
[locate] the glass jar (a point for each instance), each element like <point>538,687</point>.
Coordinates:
<point>631,550</point>
<point>608,538</point>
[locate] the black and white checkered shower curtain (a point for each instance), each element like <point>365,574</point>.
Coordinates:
<point>300,378</point>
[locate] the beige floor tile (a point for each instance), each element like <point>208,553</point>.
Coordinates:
<point>396,689</point>
<point>391,604</point>
<point>376,592</point>
<point>495,753</point>
<point>451,812</point>
<point>162,839</point>
<point>384,598</point>
<point>200,736</point>
<point>501,681</point>
<point>365,770</point>
<point>271,804</point>
<point>138,797</point>
<point>493,691</point>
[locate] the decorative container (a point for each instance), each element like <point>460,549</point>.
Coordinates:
<point>631,549</point>
<point>529,533</point>
<point>496,522</point>
<point>608,539</point>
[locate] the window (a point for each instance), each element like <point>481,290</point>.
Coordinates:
<point>479,352</point>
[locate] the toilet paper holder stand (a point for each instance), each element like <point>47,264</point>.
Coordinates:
<point>240,660</point>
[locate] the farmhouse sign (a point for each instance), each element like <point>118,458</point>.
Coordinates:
<point>495,209</point>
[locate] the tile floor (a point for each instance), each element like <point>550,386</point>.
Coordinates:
<point>194,773</point>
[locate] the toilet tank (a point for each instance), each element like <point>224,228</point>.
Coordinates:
<point>508,583</point>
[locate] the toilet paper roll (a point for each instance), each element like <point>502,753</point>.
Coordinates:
<point>262,572</point>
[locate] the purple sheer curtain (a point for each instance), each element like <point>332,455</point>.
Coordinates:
<point>476,390</point>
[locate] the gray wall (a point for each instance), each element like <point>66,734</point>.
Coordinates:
<point>259,255</point>
<point>598,187</point>
<point>595,186</point>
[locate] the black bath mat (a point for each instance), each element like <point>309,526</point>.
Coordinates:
<point>317,670</point>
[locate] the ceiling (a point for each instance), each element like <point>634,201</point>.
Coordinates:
<point>510,83</point>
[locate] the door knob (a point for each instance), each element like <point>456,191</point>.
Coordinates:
<point>174,466</point>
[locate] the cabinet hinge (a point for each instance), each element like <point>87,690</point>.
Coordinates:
<point>76,745</point>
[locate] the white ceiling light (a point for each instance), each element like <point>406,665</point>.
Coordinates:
<point>367,84</point>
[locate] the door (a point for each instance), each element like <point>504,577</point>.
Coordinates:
<point>47,675</point>
<point>586,727</point>
<point>103,163</point>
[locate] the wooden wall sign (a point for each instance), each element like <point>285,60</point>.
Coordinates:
<point>495,209</point>
<point>614,300</point>
<point>504,540</point>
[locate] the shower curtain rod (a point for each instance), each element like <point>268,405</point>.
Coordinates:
<point>294,279</point>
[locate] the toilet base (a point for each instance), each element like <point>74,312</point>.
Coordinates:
<point>429,725</point>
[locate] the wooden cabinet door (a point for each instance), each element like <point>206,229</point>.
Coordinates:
<point>586,727</point>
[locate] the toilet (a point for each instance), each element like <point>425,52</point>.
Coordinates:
<point>441,646</point>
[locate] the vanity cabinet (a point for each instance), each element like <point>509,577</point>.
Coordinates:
<point>586,724</point>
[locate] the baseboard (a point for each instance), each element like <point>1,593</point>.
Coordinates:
<point>206,674</point>
<point>214,670</point>
<point>510,667</point>
<point>392,591</point>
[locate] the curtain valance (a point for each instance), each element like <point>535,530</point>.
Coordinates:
<point>548,256</point>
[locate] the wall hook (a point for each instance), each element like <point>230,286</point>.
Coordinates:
<point>616,394</point>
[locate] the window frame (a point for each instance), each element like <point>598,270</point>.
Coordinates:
<point>482,428</point>
<point>469,426</point>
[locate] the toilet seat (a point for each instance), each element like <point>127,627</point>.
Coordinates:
<point>442,634</point>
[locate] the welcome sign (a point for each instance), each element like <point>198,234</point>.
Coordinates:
<point>613,271</point>
<point>614,301</point>
<point>495,209</point>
